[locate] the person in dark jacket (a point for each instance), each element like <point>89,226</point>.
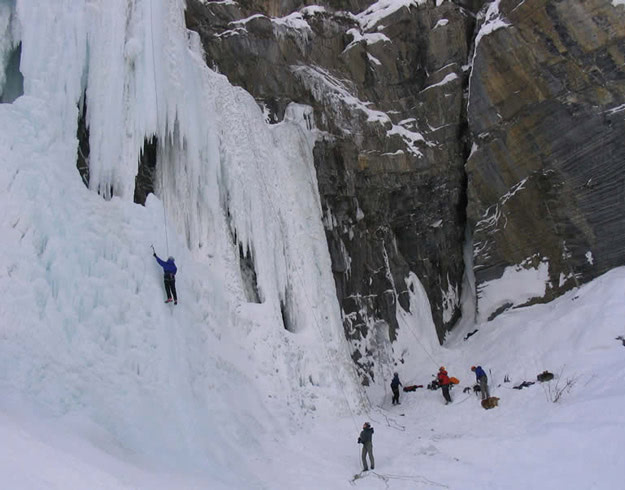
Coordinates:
<point>366,439</point>
<point>395,387</point>
<point>444,382</point>
<point>482,379</point>
<point>169,270</point>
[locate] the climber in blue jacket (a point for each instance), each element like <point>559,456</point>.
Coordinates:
<point>482,379</point>
<point>169,270</point>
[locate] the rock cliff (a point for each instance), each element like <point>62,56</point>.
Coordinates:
<point>441,120</point>
<point>546,113</point>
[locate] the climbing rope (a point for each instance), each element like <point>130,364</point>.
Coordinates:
<point>424,349</point>
<point>363,397</point>
<point>390,277</point>
<point>391,423</point>
<point>157,114</point>
<point>385,477</point>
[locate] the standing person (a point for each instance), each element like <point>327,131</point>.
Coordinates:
<point>395,387</point>
<point>444,382</point>
<point>169,271</point>
<point>366,439</point>
<point>482,379</point>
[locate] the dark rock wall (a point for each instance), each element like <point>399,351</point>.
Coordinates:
<point>393,189</point>
<point>546,113</point>
<point>529,153</point>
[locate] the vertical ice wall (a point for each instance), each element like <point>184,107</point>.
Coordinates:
<point>87,327</point>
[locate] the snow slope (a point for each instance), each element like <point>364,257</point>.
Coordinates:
<point>528,441</point>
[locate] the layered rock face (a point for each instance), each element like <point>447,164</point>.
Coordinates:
<point>409,153</point>
<point>547,115</point>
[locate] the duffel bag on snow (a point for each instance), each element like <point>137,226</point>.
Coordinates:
<point>412,387</point>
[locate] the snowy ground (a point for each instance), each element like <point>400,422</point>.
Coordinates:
<point>526,442</point>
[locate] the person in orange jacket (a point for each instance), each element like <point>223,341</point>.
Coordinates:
<point>444,382</point>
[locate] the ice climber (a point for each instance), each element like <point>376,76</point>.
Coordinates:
<point>366,439</point>
<point>395,387</point>
<point>482,379</point>
<point>169,271</point>
<point>444,382</point>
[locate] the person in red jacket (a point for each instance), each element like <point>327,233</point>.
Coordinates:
<point>444,382</point>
